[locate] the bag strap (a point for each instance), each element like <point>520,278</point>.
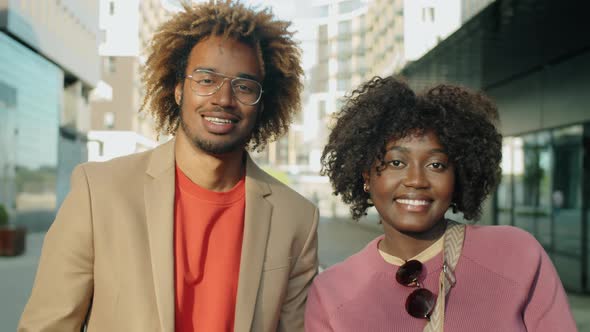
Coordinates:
<point>453,244</point>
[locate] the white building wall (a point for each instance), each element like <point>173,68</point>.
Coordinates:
<point>119,19</point>
<point>106,145</point>
<point>66,32</point>
<point>427,22</point>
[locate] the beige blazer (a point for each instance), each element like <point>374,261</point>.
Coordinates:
<point>108,258</point>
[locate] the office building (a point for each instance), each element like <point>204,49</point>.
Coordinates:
<point>48,65</point>
<point>128,26</point>
<point>533,60</point>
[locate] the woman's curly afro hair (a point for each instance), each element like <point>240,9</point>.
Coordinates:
<point>385,109</point>
<point>279,56</point>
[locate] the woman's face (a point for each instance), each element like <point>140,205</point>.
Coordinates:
<point>415,186</point>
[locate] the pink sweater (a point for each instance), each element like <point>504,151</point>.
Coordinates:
<point>505,282</point>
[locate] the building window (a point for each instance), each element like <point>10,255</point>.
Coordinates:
<point>322,109</point>
<point>323,11</point>
<point>542,189</point>
<point>110,65</point>
<point>344,28</point>
<point>348,6</point>
<point>344,65</point>
<point>428,14</point>
<point>344,47</point>
<point>343,84</point>
<point>109,120</point>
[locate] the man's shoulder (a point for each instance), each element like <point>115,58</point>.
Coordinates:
<point>128,165</point>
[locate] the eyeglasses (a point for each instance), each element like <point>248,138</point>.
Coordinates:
<point>420,303</point>
<point>206,83</point>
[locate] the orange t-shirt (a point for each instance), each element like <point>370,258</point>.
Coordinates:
<point>208,228</point>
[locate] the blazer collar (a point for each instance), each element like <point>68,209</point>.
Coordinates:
<point>159,206</point>
<point>162,159</point>
<point>159,209</point>
<point>256,228</point>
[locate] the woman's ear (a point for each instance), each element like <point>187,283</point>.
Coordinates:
<point>366,177</point>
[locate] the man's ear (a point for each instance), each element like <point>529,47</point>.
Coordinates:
<point>178,93</point>
<point>259,110</point>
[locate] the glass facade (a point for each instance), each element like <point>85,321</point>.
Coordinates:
<point>31,95</point>
<point>544,190</point>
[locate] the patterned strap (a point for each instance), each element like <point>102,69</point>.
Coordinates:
<point>453,243</point>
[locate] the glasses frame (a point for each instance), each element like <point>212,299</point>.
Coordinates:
<point>231,79</point>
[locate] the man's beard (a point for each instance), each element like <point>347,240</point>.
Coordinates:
<point>209,146</point>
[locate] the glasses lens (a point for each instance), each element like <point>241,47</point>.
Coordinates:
<point>247,91</point>
<point>420,303</point>
<point>205,83</point>
<point>408,273</point>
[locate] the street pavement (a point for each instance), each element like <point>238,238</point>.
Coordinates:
<point>338,239</point>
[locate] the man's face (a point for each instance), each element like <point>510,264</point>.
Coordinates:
<point>218,123</point>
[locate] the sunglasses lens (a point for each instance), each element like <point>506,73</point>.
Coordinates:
<point>408,273</point>
<point>420,303</point>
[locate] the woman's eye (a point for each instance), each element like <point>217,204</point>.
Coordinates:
<point>395,163</point>
<point>438,166</point>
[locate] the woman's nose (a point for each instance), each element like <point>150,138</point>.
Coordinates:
<point>415,177</point>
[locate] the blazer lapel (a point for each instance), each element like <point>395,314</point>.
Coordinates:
<point>256,226</point>
<point>159,206</point>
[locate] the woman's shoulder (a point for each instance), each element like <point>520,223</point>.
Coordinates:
<point>505,250</point>
<point>500,233</point>
<point>355,267</point>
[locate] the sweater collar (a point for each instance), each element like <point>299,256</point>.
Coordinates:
<point>374,258</point>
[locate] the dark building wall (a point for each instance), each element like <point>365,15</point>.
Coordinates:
<point>554,96</point>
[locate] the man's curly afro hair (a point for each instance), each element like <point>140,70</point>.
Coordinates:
<point>278,54</point>
<point>383,109</point>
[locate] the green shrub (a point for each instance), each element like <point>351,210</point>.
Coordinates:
<point>3,216</point>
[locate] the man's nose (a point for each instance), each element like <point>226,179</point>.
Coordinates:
<point>224,95</point>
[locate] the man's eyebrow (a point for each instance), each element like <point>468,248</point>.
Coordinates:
<point>240,75</point>
<point>248,76</point>
<point>205,68</point>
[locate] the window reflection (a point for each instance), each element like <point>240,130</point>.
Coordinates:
<point>504,193</point>
<point>566,190</point>
<point>541,191</point>
<point>29,133</point>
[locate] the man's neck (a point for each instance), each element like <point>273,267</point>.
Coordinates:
<point>213,172</point>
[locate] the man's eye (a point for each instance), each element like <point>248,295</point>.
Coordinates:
<point>243,88</point>
<point>205,81</point>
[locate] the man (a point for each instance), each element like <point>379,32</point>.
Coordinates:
<point>190,236</point>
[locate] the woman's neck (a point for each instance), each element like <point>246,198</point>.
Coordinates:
<point>408,245</point>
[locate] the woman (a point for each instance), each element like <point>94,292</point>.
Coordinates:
<point>414,157</point>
